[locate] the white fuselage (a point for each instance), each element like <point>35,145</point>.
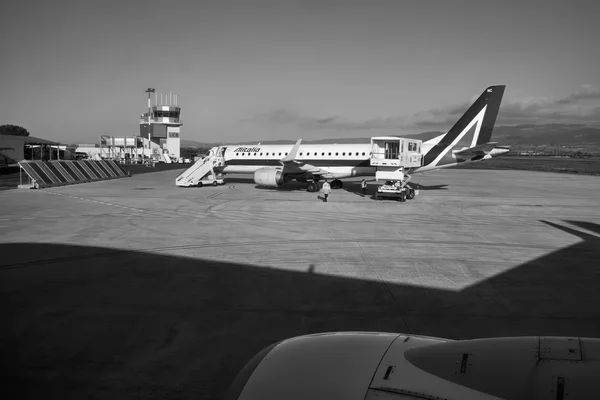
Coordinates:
<point>340,160</point>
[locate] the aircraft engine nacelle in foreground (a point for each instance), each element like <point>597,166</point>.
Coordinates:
<point>368,366</point>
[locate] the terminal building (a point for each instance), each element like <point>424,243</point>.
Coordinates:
<point>16,148</point>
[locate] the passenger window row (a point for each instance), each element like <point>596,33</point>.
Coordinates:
<point>307,154</point>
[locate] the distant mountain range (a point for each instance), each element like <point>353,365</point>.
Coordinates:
<point>549,134</point>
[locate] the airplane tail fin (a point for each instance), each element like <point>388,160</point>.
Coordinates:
<point>474,128</point>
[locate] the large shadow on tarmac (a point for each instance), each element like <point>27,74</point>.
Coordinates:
<point>85,322</point>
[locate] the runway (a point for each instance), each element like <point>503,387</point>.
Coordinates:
<point>136,288</point>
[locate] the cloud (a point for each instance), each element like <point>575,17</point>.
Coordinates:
<point>586,92</point>
<point>578,107</point>
<point>287,117</point>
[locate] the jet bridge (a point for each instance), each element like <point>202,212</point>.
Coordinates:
<point>393,155</point>
<point>201,168</point>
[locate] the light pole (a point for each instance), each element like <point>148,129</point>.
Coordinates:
<point>149,91</point>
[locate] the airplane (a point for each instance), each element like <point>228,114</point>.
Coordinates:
<point>469,140</point>
<point>393,366</point>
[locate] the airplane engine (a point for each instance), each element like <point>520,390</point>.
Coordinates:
<point>322,366</point>
<point>388,366</point>
<point>270,177</point>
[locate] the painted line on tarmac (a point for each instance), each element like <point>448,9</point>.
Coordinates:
<point>40,217</point>
<point>162,214</point>
<point>96,201</point>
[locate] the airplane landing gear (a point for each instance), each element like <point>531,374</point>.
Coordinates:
<point>337,184</point>
<point>313,187</point>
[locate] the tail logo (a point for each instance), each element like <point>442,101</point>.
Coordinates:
<point>476,124</point>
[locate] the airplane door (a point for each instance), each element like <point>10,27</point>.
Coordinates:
<point>401,151</point>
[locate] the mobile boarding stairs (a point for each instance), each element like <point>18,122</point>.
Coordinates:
<point>209,165</point>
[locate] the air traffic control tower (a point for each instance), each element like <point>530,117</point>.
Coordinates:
<point>160,133</point>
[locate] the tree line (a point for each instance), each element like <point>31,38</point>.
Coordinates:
<point>14,130</point>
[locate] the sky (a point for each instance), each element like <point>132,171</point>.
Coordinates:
<point>255,70</point>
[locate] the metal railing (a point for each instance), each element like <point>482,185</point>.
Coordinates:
<point>160,120</point>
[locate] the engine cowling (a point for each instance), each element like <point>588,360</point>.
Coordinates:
<point>323,366</point>
<point>270,177</point>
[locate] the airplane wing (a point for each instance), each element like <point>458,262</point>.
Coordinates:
<point>479,150</point>
<point>292,165</point>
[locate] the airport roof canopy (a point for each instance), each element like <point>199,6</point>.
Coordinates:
<point>29,139</point>
<point>34,140</point>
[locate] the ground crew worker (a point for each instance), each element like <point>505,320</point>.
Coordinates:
<point>326,190</point>
<point>363,184</point>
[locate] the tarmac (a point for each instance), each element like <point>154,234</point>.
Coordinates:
<point>136,288</point>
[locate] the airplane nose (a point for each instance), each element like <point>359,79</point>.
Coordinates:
<point>323,366</point>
